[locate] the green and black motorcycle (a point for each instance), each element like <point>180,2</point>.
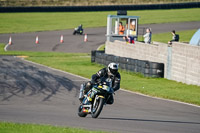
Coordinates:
<point>95,99</point>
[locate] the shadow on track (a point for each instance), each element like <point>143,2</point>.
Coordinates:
<point>145,120</point>
<point>20,79</point>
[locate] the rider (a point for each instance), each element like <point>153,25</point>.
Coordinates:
<point>108,72</point>
<point>79,29</point>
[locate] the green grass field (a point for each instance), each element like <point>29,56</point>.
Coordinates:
<point>30,22</point>
<point>185,36</point>
<point>157,87</point>
<point>6,127</point>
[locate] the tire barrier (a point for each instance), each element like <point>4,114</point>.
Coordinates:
<point>147,68</point>
<point>96,55</point>
<point>100,8</point>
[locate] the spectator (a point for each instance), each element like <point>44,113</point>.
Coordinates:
<point>121,29</point>
<point>147,36</point>
<point>132,25</point>
<point>129,39</point>
<point>175,37</point>
<point>131,30</point>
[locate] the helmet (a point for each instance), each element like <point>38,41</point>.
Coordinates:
<point>112,68</point>
<point>133,22</point>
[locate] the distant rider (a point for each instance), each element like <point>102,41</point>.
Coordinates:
<point>79,29</point>
<point>110,72</point>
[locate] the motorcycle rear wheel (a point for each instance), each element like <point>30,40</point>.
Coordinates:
<point>80,112</point>
<point>97,108</point>
<point>74,33</point>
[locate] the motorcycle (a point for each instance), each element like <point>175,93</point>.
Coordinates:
<point>78,31</point>
<point>100,95</point>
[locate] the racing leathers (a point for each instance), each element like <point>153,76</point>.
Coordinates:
<point>104,73</point>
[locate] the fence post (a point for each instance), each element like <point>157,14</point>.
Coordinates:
<point>169,62</point>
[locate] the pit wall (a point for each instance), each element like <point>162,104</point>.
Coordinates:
<point>181,61</point>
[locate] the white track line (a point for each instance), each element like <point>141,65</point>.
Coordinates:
<point>100,46</point>
<point>160,98</point>
<point>5,48</point>
<point>55,69</point>
<point>120,88</point>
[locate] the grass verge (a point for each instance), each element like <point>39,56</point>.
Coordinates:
<point>157,87</point>
<point>101,47</point>
<point>31,22</point>
<point>184,36</point>
<point>6,127</point>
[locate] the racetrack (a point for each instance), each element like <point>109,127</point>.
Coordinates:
<point>50,40</point>
<point>31,93</point>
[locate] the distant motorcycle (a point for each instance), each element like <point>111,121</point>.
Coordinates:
<point>78,30</point>
<point>102,93</point>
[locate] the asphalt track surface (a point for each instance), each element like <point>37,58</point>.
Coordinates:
<point>31,93</point>
<point>50,40</point>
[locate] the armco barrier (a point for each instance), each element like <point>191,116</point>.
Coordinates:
<point>100,8</point>
<point>147,68</point>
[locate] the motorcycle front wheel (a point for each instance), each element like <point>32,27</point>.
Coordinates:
<point>97,107</point>
<point>80,112</point>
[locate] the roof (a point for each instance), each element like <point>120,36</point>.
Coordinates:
<point>123,16</point>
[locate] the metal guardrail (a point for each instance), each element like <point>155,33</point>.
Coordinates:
<point>100,8</point>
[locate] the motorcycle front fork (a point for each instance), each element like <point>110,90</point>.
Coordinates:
<point>87,108</point>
